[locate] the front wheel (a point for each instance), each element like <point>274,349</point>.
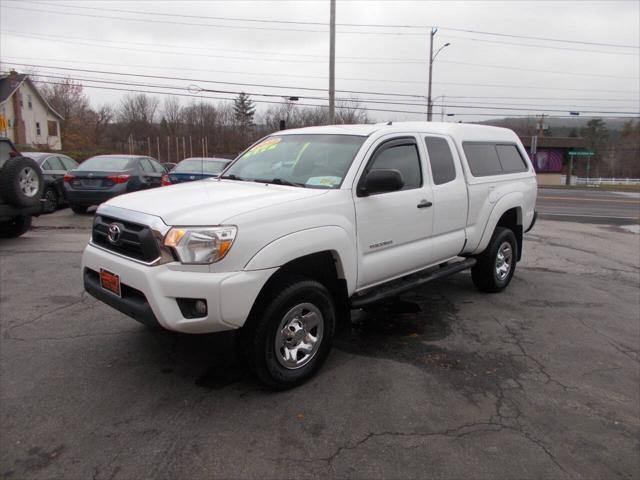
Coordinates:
<point>496,265</point>
<point>287,341</point>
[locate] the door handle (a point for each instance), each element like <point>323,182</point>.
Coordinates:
<point>424,204</point>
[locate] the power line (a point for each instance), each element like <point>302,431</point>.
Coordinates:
<point>262,74</point>
<point>552,47</point>
<point>354,60</point>
<point>358,92</point>
<point>147,20</point>
<point>484,114</point>
<point>236,92</point>
<point>294,22</point>
<point>97,43</point>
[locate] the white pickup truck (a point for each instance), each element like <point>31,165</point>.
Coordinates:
<point>307,224</point>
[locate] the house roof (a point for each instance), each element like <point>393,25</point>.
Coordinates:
<point>556,142</point>
<point>10,83</point>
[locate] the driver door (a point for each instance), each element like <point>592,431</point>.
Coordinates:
<point>394,228</point>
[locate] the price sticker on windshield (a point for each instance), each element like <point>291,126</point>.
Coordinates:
<point>266,145</point>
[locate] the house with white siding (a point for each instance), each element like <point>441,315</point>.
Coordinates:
<point>25,116</point>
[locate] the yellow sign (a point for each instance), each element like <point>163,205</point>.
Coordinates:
<point>3,123</point>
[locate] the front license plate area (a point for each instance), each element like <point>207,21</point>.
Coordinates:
<point>110,282</point>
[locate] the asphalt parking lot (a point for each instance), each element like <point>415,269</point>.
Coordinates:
<point>541,381</point>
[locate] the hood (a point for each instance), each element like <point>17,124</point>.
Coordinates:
<point>209,202</point>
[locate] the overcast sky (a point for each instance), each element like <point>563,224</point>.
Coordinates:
<point>182,39</point>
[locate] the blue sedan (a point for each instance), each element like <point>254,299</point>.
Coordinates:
<point>197,168</point>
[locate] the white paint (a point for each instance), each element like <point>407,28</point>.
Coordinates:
<point>277,224</point>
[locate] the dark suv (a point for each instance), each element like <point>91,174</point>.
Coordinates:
<point>21,185</point>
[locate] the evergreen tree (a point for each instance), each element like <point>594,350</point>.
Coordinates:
<point>244,110</point>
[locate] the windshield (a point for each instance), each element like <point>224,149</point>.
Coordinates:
<point>105,164</point>
<point>317,161</point>
<point>198,165</point>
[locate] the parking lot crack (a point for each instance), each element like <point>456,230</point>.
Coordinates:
<point>517,341</point>
<point>45,314</point>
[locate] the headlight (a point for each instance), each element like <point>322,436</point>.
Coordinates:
<point>200,244</point>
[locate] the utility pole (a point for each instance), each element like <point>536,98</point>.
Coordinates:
<point>429,104</point>
<point>432,57</point>
<point>332,63</point>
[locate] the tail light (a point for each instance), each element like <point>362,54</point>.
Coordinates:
<point>119,178</point>
<point>68,178</point>
<point>165,180</point>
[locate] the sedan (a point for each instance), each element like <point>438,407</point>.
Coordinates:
<point>54,167</point>
<point>197,168</point>
<point>100,178</point>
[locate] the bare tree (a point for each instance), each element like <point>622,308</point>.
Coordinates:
<point>137,113</point>
<point>173,115</point>
<point>350,111</point>
<point>68,99</point>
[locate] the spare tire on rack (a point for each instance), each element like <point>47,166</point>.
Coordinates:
<point>21,182</point>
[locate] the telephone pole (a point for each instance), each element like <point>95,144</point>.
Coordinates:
<point>332,63</point>
<point>432,57</point>
<point>429,104</point>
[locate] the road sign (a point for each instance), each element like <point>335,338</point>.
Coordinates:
<point>584,153</point>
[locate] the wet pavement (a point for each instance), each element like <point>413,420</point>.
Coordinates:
<point>540,381</point>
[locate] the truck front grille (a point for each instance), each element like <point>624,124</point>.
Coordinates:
<point>134,241</point>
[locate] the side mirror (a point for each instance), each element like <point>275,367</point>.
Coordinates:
<point>381,181</point>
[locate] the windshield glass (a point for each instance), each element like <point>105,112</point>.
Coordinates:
<point>316,161</point>
<point>105,164</point>
<point>198,165</point>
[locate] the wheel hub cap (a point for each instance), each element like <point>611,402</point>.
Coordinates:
<point>504,260</point>
<point>28,181</point>
<point>299,336</point>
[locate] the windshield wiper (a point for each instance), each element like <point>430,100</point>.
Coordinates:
<point>280,181</point>
<point>231,177</point>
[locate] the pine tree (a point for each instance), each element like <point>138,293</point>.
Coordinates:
<point>244,109</point>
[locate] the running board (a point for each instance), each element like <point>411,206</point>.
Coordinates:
<point>401,285</point>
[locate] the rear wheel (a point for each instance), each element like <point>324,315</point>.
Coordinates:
<point>15,227</point>
<point>79,209</point>
<point>496,265</point>
<point>289,335</point>
<point>21,182</point>
<point>50,200</point>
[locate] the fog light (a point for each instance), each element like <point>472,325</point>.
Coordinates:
<point>200,308</point>
<point>192,307</point>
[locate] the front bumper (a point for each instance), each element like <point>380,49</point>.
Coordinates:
<point>149,294</point>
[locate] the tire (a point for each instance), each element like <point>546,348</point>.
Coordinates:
<point>15,227</point>
<point>21,182</point>
<point>50,200</point>
<point>79,209</point>
<point>264,344</point>
<point>496,265</point>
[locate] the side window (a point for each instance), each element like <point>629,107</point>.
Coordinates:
<point>510,159</point>
<point>442,167</point>
<point>400,156</point>
<point>68,163</point>
<point>156,166</point>
<point>54,164</point>
<point>146,165</point>
<point>482,158</point>
<point>46,166</point>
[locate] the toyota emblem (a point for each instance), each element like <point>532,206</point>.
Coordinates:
<point>114,233</point>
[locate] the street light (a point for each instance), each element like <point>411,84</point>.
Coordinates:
<point>432,57</point>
